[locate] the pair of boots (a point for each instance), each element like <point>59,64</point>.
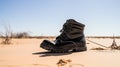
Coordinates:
<point>71,38</point>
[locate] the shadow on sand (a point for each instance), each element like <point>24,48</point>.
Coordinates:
<point>44,54</point>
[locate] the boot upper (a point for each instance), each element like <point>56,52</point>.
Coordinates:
<point>72,30</point>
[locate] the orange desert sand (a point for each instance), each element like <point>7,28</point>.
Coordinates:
<point>27,53</point>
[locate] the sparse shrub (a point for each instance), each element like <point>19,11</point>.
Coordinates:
<point>6,35</point>
<point>21,35</point>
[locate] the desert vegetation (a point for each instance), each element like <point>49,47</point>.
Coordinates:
<point>113,46</point>
<point>67,63</point>
<point>8,34</point>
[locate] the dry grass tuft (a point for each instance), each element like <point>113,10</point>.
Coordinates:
<point>63,63</point>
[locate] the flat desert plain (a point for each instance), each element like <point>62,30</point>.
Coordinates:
<point>27,53</point>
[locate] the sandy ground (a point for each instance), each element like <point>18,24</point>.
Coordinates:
<point>27,53</point>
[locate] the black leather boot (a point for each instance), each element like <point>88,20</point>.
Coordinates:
<point>71,38</point>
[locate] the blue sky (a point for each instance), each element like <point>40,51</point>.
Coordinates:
<point>46,17</point>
